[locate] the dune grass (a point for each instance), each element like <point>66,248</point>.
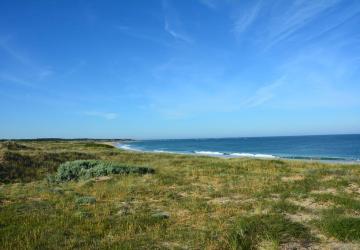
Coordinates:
<point>188,202</point>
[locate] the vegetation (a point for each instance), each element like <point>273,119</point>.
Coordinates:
<point>342,227</point>
<point>250,231</point>
<point>28,165</point>
<point>86,169</point>
<point>85,200</point>
<point>104,198</point>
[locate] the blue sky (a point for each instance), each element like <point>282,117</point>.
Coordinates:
<point>179,69</point>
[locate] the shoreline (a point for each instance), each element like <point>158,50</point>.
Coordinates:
<point>240,156</point>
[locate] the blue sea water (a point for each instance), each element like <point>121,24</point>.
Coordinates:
<point>319,147</point>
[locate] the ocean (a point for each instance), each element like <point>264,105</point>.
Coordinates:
<point>317,147</point>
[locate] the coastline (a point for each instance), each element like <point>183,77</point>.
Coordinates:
<point>126,147</point>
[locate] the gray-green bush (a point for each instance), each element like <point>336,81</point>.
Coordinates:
<point>84,200</point>
<point>86,169</point>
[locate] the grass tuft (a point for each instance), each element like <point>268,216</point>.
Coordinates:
<point>250,231</point>
<point>341,227</point>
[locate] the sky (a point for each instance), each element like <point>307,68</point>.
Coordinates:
<point>179,68</point>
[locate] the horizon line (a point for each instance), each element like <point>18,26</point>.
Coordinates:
<point>150,139</point>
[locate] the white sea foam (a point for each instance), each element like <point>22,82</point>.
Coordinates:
<point>127,147</point>
<point>253,155</point>
<point>208,153</point>
<point>161,151</point>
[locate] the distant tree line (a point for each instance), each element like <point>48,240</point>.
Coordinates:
<point>63,139</point>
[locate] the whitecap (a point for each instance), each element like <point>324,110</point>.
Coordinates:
<point>160,151</point>
<point>208,153</point>
<point>253,155</point>
<point>127,147</point>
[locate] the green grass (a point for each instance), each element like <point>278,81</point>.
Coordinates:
<point>188,202</point>
<point>343,228</point>
<point>342,200</point>
<point>248,232</point>
<point>284,206</point>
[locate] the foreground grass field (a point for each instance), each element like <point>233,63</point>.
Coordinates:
<point>189,202</point>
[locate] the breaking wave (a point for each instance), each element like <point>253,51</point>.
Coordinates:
<point>212,153</point>
<point>253,155</point>
<point>208,153</point>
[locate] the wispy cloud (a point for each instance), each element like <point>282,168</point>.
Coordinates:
<point>299,14</point>
<point>138,34</point>
<point>176,34</point>
<point>73,69</point>
<point>172,24</point>
<point>282,21</point>
<point>11,79</point>
<point>17,56</point>
<point>27,66</point>
<point>321,77</point>
<point>209,3</point>
<point>264,94</point>
<point>105,115</point>
<point>247,18</point>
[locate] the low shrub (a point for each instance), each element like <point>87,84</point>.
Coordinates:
<point>26,167</point>
<point>11,145</point>
<point>96,145</point>
<point>84,200</point>
<point>86,169</point>
<point>15,166</point>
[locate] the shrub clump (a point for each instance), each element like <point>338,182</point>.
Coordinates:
<point>30,166</point>
<point>11,145</point>
<point>97,145</point>
<point>85,200</point>
<point>86,169</point>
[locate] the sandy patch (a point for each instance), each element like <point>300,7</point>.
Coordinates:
<point>328,178</point>
<point>352,188</point>
<point>273,197</point>
<point>295,246</point>
<point>300,217</point>
<point>6,202</point>
<point>172,245</point>
<point>325,191</point>
<point>113,144</point>
<point>35,199</point>
<point>311,203</point>
<point>267,245</point>
<point>103,178</point>
<point>227,200</point>
<point>293,178</point>
<point>221,201</point>
<point>336,246</point>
